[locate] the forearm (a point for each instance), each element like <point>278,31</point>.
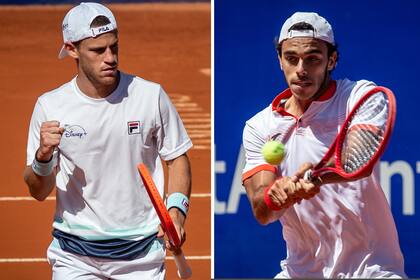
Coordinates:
<point>255,188</point>
<point>262,213</point>
<point>39,186</point>
<point>179,181</point>
<point>179,176</point>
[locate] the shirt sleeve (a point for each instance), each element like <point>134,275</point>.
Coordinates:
<point>172,137</point>
<point>374,112</point>
<point>253,140</point>
<point>38,117</point>
<point>357,92</point>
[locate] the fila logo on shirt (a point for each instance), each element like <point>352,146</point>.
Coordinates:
<point>133,127</point>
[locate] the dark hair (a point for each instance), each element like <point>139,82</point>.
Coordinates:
<point>100,21</point>
<point>306,26</point>
<point>96,22</point>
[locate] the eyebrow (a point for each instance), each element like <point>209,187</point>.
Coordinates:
<point>311,51</point>
<point>101,46</point>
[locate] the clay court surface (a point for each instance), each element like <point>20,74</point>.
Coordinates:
<point>165,43</point>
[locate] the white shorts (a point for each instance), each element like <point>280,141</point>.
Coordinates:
<point>68,266</point>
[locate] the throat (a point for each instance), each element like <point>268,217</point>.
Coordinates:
<point>96,89</point>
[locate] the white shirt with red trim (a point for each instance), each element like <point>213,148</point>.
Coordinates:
<point>99,191</point>
<point>346,230</point>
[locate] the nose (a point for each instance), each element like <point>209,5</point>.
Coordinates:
<point>301,69</point>
<point>110,57</point>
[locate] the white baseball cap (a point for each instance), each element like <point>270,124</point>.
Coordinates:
<point>76,23</point>
<point>322,29</point>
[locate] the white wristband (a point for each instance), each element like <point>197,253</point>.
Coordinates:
<point>178,200</point>
<point>42,168</point>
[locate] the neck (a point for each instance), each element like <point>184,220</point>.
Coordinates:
<point>93,88</point>
<point>297,106</point>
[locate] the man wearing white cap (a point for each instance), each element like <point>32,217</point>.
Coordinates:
<point>344,229</point>
<point>86,139</point>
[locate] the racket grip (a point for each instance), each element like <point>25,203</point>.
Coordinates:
<point>184,270</point>
<point>308,175</point>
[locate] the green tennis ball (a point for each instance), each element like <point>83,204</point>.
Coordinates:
<point>273,152</point>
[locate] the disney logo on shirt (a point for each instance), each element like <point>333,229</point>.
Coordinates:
<point>74,131</point>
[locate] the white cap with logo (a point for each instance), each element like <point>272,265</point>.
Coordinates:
<point>76,23</point>
<point>322,29</point>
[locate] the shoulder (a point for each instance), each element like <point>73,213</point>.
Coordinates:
<point>259,125</point>
<point>138,83</point>
<point>348,87</point>
<point>57,97</point>
<point>57,92</point>
<point>262,117</point>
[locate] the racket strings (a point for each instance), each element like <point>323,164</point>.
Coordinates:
<point>365,133</point>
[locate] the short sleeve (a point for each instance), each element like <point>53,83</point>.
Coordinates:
<point>172,137</point>
<point>357,92</point>
<point>375,111</point>
<point>253,140</point>
<point>38,117</point>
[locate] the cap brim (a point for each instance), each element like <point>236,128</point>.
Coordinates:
<point>63,52</point>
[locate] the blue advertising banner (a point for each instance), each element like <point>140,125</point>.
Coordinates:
<point>377,41</point>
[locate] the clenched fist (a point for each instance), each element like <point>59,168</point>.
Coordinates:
<point>50,137</point>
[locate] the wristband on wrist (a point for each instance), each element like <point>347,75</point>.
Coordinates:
<point>178,200</point>
<point>270,204</point>
<point>42,168</point>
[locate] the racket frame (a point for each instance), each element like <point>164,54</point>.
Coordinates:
<point>184,270</point>
<point>335,148</point>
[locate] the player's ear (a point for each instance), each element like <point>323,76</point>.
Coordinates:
<point>72,50</point>
<point>332,61</point>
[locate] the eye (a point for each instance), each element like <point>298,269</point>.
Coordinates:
<point>114,48</point>
<point>313,59</point>
<point>98,50</point>
<point>292,59</point>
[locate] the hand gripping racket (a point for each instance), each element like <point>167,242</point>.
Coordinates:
<point>184,270</point>
<point>362,138</point>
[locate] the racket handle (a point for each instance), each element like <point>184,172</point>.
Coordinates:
<point>184,270</point>
<point>308,175</point>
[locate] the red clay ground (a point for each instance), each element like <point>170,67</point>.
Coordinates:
<point>165,43</point>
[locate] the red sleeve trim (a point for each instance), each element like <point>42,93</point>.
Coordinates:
<point>257,169</point>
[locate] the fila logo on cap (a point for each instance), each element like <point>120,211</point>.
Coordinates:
<point>133,127</point>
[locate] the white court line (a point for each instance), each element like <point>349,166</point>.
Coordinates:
<point>195,120</point>
<point>182,104</point>
<point>201,147</point>
<point>188,109</point>
<point>28,198</point>
<point>205,71</point>
<point>34,260</point>
<point>195,126</point>
<point>195,115</point>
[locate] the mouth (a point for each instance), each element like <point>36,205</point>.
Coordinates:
<point>304,83</point>
<point>110,71</point>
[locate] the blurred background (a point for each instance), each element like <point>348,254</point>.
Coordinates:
<point>377,41</point>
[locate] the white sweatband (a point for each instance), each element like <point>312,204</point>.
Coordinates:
<point>42,168</point>
<point>178,200</point>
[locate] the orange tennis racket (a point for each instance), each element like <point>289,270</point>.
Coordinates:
<point>184,270</point>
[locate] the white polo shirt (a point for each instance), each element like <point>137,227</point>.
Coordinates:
<point>99,191</point>
<point>347,230</point>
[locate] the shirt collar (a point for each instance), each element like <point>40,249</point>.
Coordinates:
<point>279,100</point>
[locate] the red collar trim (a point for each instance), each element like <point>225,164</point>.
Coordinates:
<point>278,106</point>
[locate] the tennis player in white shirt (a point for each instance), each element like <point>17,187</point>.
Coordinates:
<point>85,141</point>
<point>342,229</point>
